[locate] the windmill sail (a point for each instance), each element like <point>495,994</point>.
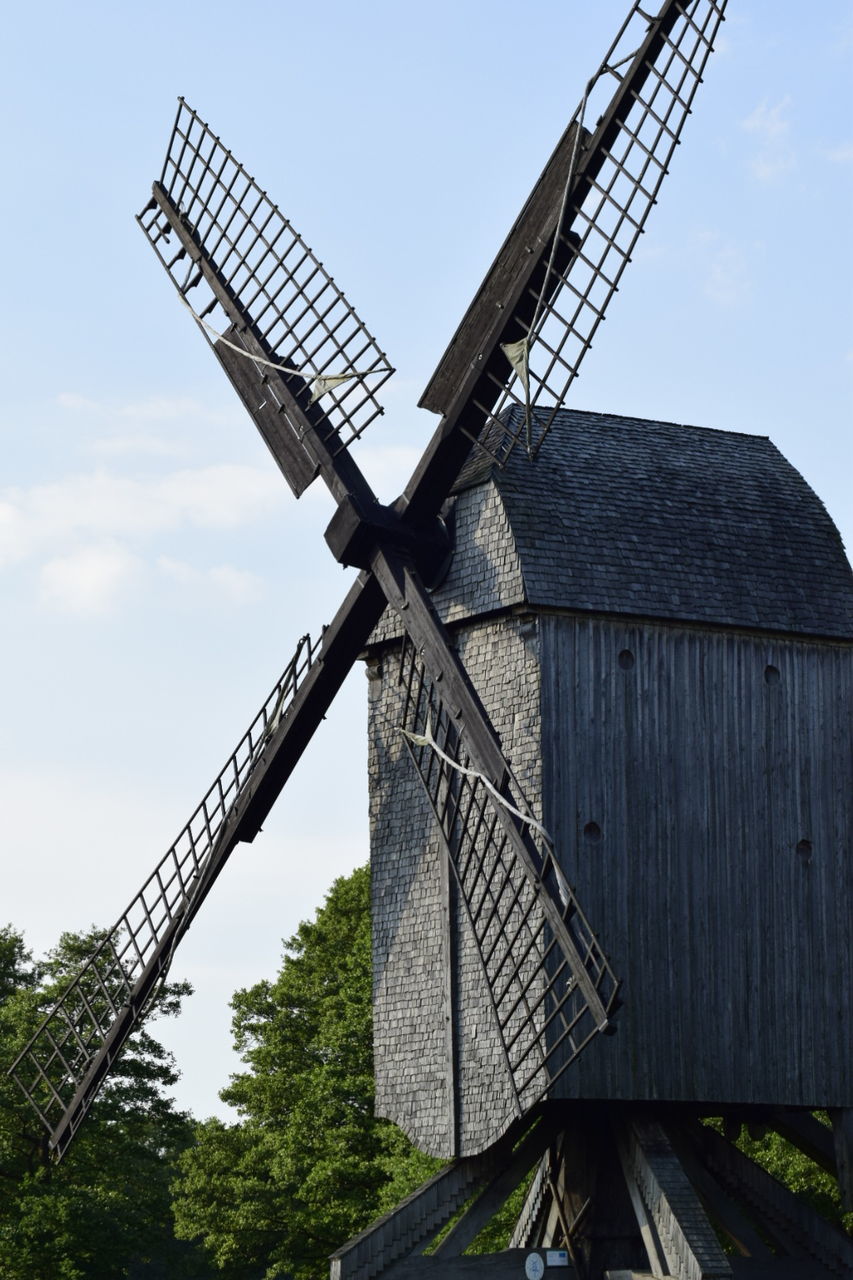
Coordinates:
<point>262,298</point>
<point>550,986</point>
<point>582,221</point>
<point>63,1066</point>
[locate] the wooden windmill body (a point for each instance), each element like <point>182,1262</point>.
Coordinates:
<point>660,621</point>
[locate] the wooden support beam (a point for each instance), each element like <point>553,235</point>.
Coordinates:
<point>806,1133</point>
<point>480,1213</point>
<point>688,1241</point>
<point>527,1232</point>
<point>788,1221</point>
<point>648,1233</point>
<point>414,1223</point>
<point>842,1132</point>
<point>507,1265</point>
<point>725,1213</point>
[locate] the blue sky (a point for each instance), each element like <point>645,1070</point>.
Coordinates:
<point>155,571</point>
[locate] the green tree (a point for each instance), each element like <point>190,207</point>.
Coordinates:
<point>308,1164</point>
<point>798,1173</point>
<point>104,1212</point>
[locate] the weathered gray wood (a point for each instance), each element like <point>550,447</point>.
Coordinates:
<point>648,1233</point>
<point>806,1132</point>
<point>704,751</point>
<point>725,1212</point>
<point>480,1213</point>
<point>508,1265</point>
<point>793,1223</point>
<point>686,1237</point>
<point>528,240</point>
<point>271,419</point>
<point>526,1232</point>
<point>737,952</point>
<point>605,1234</point>
<point>449,980</point>
<point>779,1269</point>
<point>405,592</point>
<point>842,1130</point>
<point>414,1223</point>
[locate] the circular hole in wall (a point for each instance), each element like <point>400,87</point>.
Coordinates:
<point>804,851</point>
<point>771,674</point>
<point>592,831</point>
<point>626,659</point>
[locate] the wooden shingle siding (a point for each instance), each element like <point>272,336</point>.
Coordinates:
<point>430,1092</point>
<point>619,515</point>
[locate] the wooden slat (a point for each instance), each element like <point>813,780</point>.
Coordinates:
<point>521,253</point>
<point>276,428</point>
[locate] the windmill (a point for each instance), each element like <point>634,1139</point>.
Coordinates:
<point>309,372</point>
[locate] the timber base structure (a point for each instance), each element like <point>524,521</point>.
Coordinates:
<point>619,1193</point>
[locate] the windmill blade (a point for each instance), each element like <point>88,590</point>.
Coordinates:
<point>564,258</point>
<point>301,360</point>
<point>64,1065</point>
<point>551,987</point>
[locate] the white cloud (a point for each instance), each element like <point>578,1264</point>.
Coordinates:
<point>842,154</point>
<point>725,268</point>
<point>223,582</point>
<point>771,129</point>
<point>223,496</point>
<point>72,400</point>
<point>103,504</point>
<point>87,581</point>
<point>137,443</point>
<point>728,280</point>
<point>142,426</point>
<point>151,409</point>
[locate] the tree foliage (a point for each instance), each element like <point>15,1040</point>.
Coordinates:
<point>308,1164</point>
<point>104,1212</point>
<point>798,1173</point>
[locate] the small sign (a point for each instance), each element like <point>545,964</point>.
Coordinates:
<point>534,1267</point>
<point>556,1257</point>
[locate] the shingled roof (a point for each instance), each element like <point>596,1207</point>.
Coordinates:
<point>621,515</point>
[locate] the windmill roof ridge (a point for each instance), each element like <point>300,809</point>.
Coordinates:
<point>692,523</point>
<point>606,415</point>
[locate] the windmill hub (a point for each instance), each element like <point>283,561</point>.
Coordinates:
<point>358,530</point>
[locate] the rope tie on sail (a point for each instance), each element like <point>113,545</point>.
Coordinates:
<point>427,740</point>
<point>320,384</point>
